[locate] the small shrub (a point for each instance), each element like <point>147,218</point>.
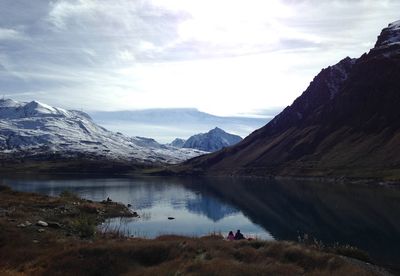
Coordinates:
<point>89,208</point>
<point>151,254</point>
<point>85,226</point>
<point>256,244</point>
<point>213,236</point>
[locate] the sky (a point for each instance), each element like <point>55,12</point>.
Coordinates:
<point>225,57</point>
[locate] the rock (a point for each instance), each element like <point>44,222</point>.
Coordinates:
<point>129,205</point>
<point>100,212</point>
<point>35,241</point>
<point>54,224</point>
<point>171,218</point>
<point>40,230</point>
<point>42,223</point>
<point>25,224</point>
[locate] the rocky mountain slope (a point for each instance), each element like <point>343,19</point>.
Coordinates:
<point>211,141</point>
<point>36,130</point>
<point>345,124</point>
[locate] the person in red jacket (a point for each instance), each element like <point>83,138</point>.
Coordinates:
<point>230,237</point>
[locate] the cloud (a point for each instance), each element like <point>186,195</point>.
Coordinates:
<point>111,55</point>
<point>10,34</point>
<point>126,55</point>
<point>64,11</point>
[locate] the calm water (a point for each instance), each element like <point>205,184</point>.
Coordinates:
<point>196,213</point>
<point>360,215</point>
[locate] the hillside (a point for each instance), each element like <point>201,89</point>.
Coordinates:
<point>344,124</point>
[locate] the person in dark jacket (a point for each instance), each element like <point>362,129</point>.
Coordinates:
<point>239,236</point>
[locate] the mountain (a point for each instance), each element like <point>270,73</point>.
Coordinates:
<point>346,123</point>
<point>211,141</point>
<point>178,143</point>
<point>35,130</point>
<point>165,124</point>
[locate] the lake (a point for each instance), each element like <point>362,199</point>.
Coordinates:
<point>365,216</point>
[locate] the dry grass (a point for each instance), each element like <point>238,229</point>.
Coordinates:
<point>171,255</point>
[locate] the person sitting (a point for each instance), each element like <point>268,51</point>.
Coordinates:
<point>230,237</point>
<point>239,236</point>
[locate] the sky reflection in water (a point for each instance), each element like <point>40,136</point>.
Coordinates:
<point>154,199</point>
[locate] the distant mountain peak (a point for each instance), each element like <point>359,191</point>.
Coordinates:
<point>11,109</point>
<point>217,130</point>
<point>8,103</point>
<point>178,142</point>
<point>211,141</point>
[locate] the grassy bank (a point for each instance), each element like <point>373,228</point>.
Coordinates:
<point>71,245</point>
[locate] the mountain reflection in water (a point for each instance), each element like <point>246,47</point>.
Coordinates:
<point>365,216</point>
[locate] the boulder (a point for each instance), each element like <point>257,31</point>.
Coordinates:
<point>42,223</point>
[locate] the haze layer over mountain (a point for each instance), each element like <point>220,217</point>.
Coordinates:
<point>164,125</point>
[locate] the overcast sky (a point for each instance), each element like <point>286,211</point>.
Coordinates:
<point>226,57</point>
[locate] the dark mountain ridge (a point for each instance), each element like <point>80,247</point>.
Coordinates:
<point>345,124</point>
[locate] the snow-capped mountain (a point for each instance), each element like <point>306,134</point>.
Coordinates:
<point>211,141</point>
<point>35,129</point>
<point>178,143</point>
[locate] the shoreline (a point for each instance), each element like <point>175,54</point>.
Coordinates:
<point>161,173</point>
<point>120,168</point>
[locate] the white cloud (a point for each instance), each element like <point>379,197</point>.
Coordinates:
<point>126,55</point>
<point>10,34</point>
<point>62,11</point>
